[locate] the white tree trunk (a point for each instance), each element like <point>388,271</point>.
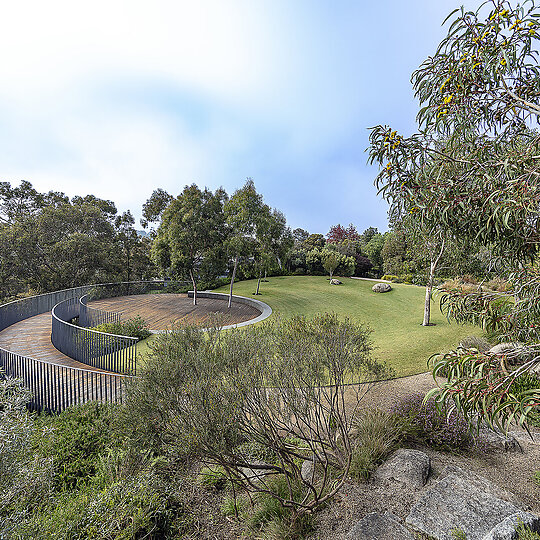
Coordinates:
<point>427,303</point>
<point>232,280</point>
<point>194,288</point>
<point>429,287</point>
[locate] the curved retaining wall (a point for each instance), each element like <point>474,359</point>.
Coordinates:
<point>265,309</point>
<point>54,387</point>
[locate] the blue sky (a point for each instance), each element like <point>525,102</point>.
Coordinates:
<point>120,98</point>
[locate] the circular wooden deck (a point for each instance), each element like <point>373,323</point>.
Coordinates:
<point>162,311</point>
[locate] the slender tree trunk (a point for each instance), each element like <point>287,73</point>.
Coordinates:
<point>194,288</point>
<point>232,280</point>
<point>429,287</point>
<point>427,303</point>
<point>259,282</point>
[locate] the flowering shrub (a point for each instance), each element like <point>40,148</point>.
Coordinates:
<point>426,423</point>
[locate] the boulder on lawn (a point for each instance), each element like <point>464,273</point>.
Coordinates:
<point>335,281</point>
<point>381,287</point>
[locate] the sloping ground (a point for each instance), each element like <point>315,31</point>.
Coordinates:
<point>395,317</point>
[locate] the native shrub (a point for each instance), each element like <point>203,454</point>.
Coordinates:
<point>134,327</point>
<point>426,422</point>
<point>280,385</point>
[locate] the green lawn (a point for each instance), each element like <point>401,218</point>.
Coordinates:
<point>395,317</point>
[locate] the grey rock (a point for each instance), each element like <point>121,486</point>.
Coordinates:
<point>506,530</point>
<point>480,483</point>
<point>379,527</point>
<point>256,474</point>
<point>308,470</point>
<point>456,503</point>
<point>335,281</point>
<point>407,467</point>
<point>514,352</point>
<point>497,442</point>
<point>381,287</point>
<point>524,437</point>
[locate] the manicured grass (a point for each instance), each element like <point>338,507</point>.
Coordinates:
<point>395,317</point>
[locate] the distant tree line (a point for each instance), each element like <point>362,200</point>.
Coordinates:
<point>50,242</point>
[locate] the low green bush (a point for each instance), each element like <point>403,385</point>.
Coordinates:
<point>389,277</point>
<point>213,478</point>
<point>133,508</point>
<point>524,382</point>
<point>74,440</point>
<point>272,517</point>
<point>135,327</point>
<point>375,434</point>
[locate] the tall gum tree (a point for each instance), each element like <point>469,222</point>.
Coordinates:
<point>243,213</point>
<point>473,169</point>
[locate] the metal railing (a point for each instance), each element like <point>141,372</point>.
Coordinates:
<point>100,350</point>
<point>55,387</point>
<point>91,316</point>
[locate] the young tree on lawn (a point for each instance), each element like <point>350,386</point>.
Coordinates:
<point>190,238</point>
<point>330,260</point>
<point>274,240</point>
<point>243,213</point>
<point>473,170</point>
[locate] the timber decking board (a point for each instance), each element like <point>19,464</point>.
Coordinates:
<point>32,337</point>
<point>161,311</point>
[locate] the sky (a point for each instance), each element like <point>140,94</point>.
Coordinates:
<point>118,98</point>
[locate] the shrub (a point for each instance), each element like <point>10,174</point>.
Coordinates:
<point>277,520</point>
<point>25,479</point>
<point>207,395</point>
<point>134,508</point>
<point>389,277</point>
<point>376,434</point>
<point>299,272</point>
<point>525,382</point>
<point>74,441</point>
<point>213,478</point>
<point>525,533</point>
<point>428,424</point>
<point>135,327</point>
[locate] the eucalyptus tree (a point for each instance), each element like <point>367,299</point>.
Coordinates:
<point>191,235</point>
<point>244,214</point>
<point>473,169</point>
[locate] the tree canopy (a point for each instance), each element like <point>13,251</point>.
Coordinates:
<point>473,167</point>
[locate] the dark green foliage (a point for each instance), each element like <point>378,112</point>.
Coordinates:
<point>525,382</point>
<point>75,440</point>
<point>133,508</point>
<point>134,327</point>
